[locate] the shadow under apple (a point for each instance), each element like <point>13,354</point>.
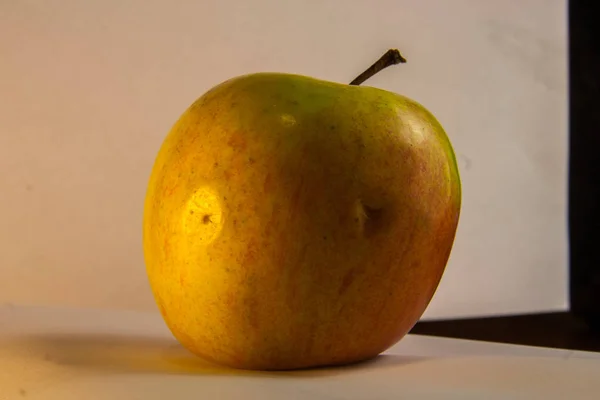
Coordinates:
<point>151,355</point>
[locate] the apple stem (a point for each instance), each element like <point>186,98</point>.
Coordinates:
<point>391,57</point>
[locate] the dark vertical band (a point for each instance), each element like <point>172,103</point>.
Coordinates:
<point>584,160</point>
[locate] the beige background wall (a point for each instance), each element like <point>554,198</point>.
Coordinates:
<point>88,90</point>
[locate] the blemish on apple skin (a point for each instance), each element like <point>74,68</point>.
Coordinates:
<point>369,217</point>
<point>238,142</point>
<point>347,281</point>
<point>203,216</point>
<point>287,120</point>
<point>372,213</point>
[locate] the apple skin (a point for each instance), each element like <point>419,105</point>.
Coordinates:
<point>291,222</point>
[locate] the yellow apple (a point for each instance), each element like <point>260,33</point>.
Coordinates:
<point>292,222</point>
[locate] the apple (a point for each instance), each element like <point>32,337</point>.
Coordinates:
<point>292,222</point>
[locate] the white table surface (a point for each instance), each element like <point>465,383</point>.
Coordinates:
<point>58,354</point>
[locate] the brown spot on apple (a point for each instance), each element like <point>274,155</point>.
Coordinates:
<point>347,281</point>
<point>237,141</point>
<point>371,219</point>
